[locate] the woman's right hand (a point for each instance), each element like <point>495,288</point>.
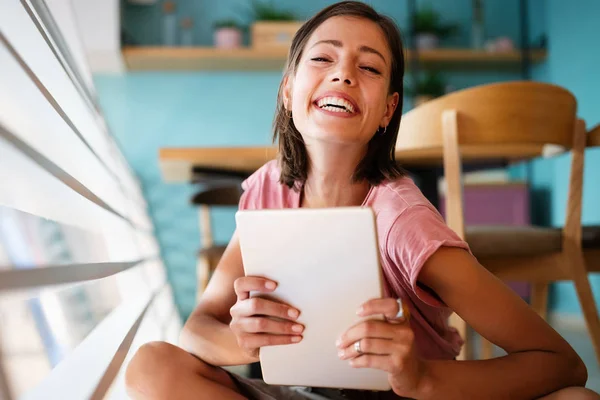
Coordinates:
<point>258,322</point>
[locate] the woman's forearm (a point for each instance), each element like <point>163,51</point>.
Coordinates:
<point>526,375</point>
<point>212,341</point>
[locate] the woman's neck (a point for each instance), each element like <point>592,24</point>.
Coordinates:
<point>329,178</point>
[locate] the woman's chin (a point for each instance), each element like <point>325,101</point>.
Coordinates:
<point>338,136</point>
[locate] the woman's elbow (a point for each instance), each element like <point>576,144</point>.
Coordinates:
<point>186,338</point>
<point>577,370</point>
<point>581,374</point>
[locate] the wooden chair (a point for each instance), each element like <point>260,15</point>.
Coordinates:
<point>510,116</point>
<point>593,137</point>
<point>210,253</point>
<point>590,244</point>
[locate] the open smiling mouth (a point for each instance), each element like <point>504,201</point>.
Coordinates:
<point>334,104</point>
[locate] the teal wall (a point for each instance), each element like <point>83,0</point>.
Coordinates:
<point>574,63</point>
<point>147,111</point>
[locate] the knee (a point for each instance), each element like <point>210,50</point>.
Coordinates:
<point>574,393</point>
<point>150,369</point>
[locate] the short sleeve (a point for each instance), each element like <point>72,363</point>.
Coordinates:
<point>416,234</point>
<point>249,198</point>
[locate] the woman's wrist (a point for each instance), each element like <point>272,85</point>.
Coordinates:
<point>425,386</point>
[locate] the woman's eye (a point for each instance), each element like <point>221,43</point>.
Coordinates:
<point>320,59</point>
<point>371,69</point>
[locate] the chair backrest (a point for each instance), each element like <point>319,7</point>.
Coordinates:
<point>516,113</point>
<point>593,137</point>
<point>500,114</point>
<point>218,196</point>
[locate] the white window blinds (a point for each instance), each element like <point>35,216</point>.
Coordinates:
<point>81,280</point>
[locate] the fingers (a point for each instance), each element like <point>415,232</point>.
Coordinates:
<point>253,341</point>
<point>269,325</point>
<point>389,307</point>
<point>367,345</point>
<point>259,306</point>
<point>376,329</point>
<point>383,363</point>
<point>246,284</point>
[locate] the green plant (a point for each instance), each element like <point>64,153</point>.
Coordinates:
<point>428,21</point>
<point>432,84</point>
<point>266,11</point>
<point>228,23</point>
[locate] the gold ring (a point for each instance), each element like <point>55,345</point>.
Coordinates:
<point>402,311</point>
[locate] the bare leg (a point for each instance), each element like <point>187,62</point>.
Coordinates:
<point>160,370</point>
<point>573,393</point>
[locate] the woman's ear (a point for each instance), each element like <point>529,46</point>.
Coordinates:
<point>287,93</point>
<point>390,108</point>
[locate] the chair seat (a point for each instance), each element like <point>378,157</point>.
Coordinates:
<point>212,251</point>
<point>498,241</point>
<point>590,237</point>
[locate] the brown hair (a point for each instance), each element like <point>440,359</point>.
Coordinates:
<point>380,162</point>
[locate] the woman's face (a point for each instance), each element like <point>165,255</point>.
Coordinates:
<point>340,93</point>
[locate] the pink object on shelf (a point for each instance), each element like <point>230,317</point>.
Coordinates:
<point>497,204</point>
<point>228,38</point>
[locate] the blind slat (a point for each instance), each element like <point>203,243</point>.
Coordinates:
<point>14,279</point>
<point>97,355</point>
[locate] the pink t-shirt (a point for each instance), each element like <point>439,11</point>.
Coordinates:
<point>409,231</point>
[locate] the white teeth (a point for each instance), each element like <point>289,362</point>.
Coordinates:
<point>337,101</point>
<point>334,109</point>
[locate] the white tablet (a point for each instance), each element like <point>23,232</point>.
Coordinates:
<point>326,263</point>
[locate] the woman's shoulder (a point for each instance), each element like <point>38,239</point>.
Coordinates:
<point>400,206</point>
<point>263,189</point>
<point>406,218</point>
<point>268,173</point>
<point>399,195</point>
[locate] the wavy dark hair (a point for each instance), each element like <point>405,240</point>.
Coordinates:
<point>380,162</point>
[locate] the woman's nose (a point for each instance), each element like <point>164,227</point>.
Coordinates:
<point>344,74</point>
<point>346,80</point>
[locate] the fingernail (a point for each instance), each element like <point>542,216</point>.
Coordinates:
<point>359,311</point>
<point>341,354</point>
<point>293,313</point>
<point>338,342</point>
<point>297,328</point>
<point>296,339</point>
<point>270,285</point>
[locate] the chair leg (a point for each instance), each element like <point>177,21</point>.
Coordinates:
<point>487,349</point>
<point>576,264</point>
<point>461,326</point>
<point>203,272</point>
<point>539,298</point>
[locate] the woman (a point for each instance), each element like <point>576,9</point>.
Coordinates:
<point>338,113</point>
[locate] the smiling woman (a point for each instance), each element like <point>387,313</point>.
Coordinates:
<point>338,115</point>
<point>365,52</point>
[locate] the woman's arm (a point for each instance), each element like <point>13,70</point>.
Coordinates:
<point>228,327</point>
<point>539,360</point>
<point>207,334</point>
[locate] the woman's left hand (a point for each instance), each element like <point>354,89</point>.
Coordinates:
<point>387,345</point>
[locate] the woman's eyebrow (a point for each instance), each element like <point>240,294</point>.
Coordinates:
<point>337,43</point>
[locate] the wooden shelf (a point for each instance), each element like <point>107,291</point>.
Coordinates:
<point>249,59</point>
